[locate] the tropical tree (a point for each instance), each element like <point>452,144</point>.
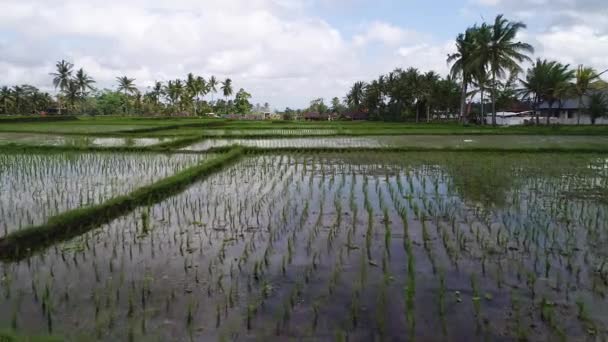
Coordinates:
<point>242,102</point>
<point>586,79</point>
<point>6,99</point>
<point>212,86</point>
<point>72,94</point>
<point>62,77</point>
<point>126,85</point>
<point>174,91</point>
<point>18,94</point>
<point>533,86</point>
<point>547,81</point>
<point>84,82</point>
<point>503,53</point>
<point>227,89</point>
<point>428,89</point>
<point>354,98</point>
<point>598,106</point>
<point>462,65</point>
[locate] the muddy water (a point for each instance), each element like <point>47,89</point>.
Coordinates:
<point>394,246</point>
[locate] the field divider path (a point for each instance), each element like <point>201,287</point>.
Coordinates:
<point>20,244</point>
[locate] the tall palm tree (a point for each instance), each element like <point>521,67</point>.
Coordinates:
<point>18,94</point>
<point>585,79</point>
<point>84,82</point>
<point>212,86</point>
<point>174,91</point>
<point>533,86</point>
<point>62,77</point>
<point>72,93</point>
<point>354,98</point>
<point>557,84</point>
<point>227,89</point>
<point>462,65</point>
<point>126,85</point>
<point>157,91</point>
<point>503,53</point>
<point>428,87</point>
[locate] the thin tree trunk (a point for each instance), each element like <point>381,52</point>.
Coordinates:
<point>417,111</point>
<point>549,112</point>
<point>463,102</point>
<point>482,114</point>
<point>428,113</point>
<point>494,99</point>
<point>536,113</point>
<point>580,107</point>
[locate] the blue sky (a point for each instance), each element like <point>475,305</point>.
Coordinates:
<point>285,52</point>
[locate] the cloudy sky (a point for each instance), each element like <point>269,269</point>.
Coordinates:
<point>284,52</point>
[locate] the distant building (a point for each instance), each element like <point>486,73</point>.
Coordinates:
<point>565,112</point>
<point>356,116</point>
<point>315,116</point>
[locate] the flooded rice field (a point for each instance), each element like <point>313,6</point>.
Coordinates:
<point>35,186</point>
<point>414,141</point>
<point>357,246</point>
<point>61,140</point>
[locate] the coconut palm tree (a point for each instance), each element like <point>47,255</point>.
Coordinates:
<point>428,88</point>
<point>174,91</point>
<point>72,93</point>
<point>62,77</point>
<point>533,86</point>
<point>126,85</point>
<point>212,86</point>
<point>227,89</point>
<point>557,84</point>
<point>598,106</point>
<point>354,98</point>
<point>462,65</point>
<point>503,53</point>
<point>586,79</point>
<point>18,94</point>
<point>84,82</point>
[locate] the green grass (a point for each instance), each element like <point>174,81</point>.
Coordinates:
<point>10,336</point>
<point>22,243</point>
<point>168,126</point>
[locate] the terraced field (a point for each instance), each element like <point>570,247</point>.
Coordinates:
<point>374,237</point>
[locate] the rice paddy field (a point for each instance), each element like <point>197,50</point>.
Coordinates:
<point>304,236</point>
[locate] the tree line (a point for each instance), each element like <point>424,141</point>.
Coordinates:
<point>77,95</point>
<point>485,75</point>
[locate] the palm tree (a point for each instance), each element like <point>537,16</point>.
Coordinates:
<point>585,79</point>
<point>557,84</point>
<point>227,88</point>
<point>174,91</point>
<point>429,85</point>
<point>157,91</point>
<point>18,94</point>
<point>462,59</point>
<point>84,82</point>
<point>354,98</point>
<point>6,98</point>
<point>598,106</point>
<point>62,77</point>
<point>126,85</point>
<point>212,86</point>
<point>72,93</point>
<point>503,53</point>
<point>535,83</point>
